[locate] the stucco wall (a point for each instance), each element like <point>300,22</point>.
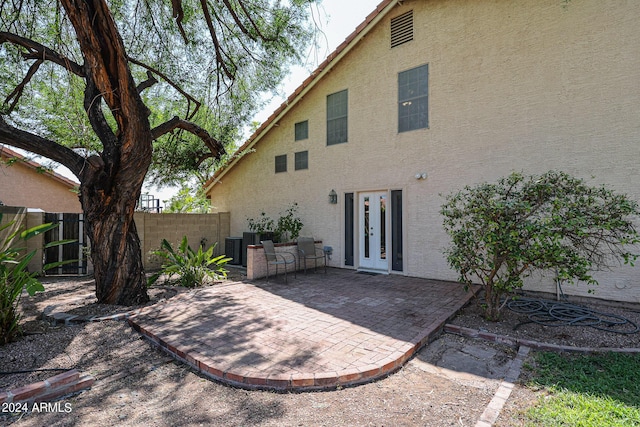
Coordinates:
<point>514,86</point>
<point>21,185</point>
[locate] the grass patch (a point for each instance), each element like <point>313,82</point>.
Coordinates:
<point>586,390</point>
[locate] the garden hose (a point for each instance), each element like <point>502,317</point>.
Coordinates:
<point>554,313</point>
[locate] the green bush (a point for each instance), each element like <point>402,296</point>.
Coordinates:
<point>286,228</point>
<point>14,277</point>
<point>502,232</point>
<point>289,225</point>
<point>193,267</point>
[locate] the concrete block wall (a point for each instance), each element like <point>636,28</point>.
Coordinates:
<point>152,228</point>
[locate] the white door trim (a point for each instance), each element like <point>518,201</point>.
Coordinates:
<point>373,231</point>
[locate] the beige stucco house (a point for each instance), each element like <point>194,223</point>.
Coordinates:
<point>427,96</point>
<point>26,183</point>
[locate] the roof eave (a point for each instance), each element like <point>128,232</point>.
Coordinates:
<point>324,68</point>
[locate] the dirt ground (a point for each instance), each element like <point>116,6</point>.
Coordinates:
<point>449,382</point>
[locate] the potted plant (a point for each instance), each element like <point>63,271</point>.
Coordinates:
<point>289,224</point>
<point>264,227</point>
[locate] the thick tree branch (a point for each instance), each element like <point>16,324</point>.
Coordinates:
<point>13,98</point>
<point>15,137</point>
<point>38,51</point>
<point>216,148</point>
<point>151,80</point>
<point>178,15</point>
<point>99,124</point>
<point>106,60</point>
<point>173,84</point>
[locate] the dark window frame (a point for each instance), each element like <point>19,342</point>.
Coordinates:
<point>338,117</point>
<point>396,230</point>
<point>301,160</point>
<point>413,99</point>
<point>280,165</point>
<point>301,130</point>
<point>349,229</point>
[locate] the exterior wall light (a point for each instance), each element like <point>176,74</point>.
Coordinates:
<point>333,197</point>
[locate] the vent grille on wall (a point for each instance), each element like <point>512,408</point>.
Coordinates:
<point>402,29</point>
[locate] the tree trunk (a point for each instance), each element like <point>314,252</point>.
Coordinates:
<point>117,259</point>
<point>111,184</point>
<point>492,303</point>
<point>115,246</point>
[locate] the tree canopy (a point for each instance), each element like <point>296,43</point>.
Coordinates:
<point>97,86</point>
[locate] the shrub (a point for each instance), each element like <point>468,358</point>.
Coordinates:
<point>289,224</point>
<point>192,267</point>
<point>503,232</point>
<point>262,225</point>
<point>286,228</point>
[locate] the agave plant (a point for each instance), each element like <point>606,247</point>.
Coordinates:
<point>192,267</point>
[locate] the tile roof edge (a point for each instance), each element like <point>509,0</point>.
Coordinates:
<point>307,84</point>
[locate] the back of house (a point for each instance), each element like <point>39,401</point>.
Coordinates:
<point>428,96</point>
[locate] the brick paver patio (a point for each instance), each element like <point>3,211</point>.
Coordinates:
<point>318,331</point>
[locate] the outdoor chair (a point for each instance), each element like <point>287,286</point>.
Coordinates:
<point>277,259</point>
<point>307,250</point>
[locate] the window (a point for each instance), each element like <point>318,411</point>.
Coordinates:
<point>337,118</point>
<point>349,229</point>
<point>302,160</point>
<point>402,29</point>
<point>281,163</point>
<point>413,111</point>
<point>302,130</point>
<point>396,230</point>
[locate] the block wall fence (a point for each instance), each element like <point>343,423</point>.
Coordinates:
<point>152,228</point>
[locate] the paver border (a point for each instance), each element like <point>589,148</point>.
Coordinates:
<point>536,345</point>
<point>54,388</point>
<point>298,382</point>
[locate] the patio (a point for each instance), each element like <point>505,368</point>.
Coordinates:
<point>316,332</point>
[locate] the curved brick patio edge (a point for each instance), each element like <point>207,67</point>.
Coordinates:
<point>297,382</point>
<point>517,342</point>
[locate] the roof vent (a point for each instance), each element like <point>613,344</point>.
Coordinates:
<point>402,29</point>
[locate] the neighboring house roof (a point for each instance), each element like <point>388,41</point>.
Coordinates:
<point>7,153</point>
<point>349,43</point>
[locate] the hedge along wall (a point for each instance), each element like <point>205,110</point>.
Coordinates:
<point>152,228</point>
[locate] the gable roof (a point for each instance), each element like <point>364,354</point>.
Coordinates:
<point>7,153</point>
<point>345,47</point>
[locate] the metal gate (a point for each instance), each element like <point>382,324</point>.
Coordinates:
<point>70,226</point>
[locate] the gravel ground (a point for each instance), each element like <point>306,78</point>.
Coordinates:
<point>136,385</point>
<point>518,325</point>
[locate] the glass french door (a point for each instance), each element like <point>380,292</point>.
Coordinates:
<point>373,231</point>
